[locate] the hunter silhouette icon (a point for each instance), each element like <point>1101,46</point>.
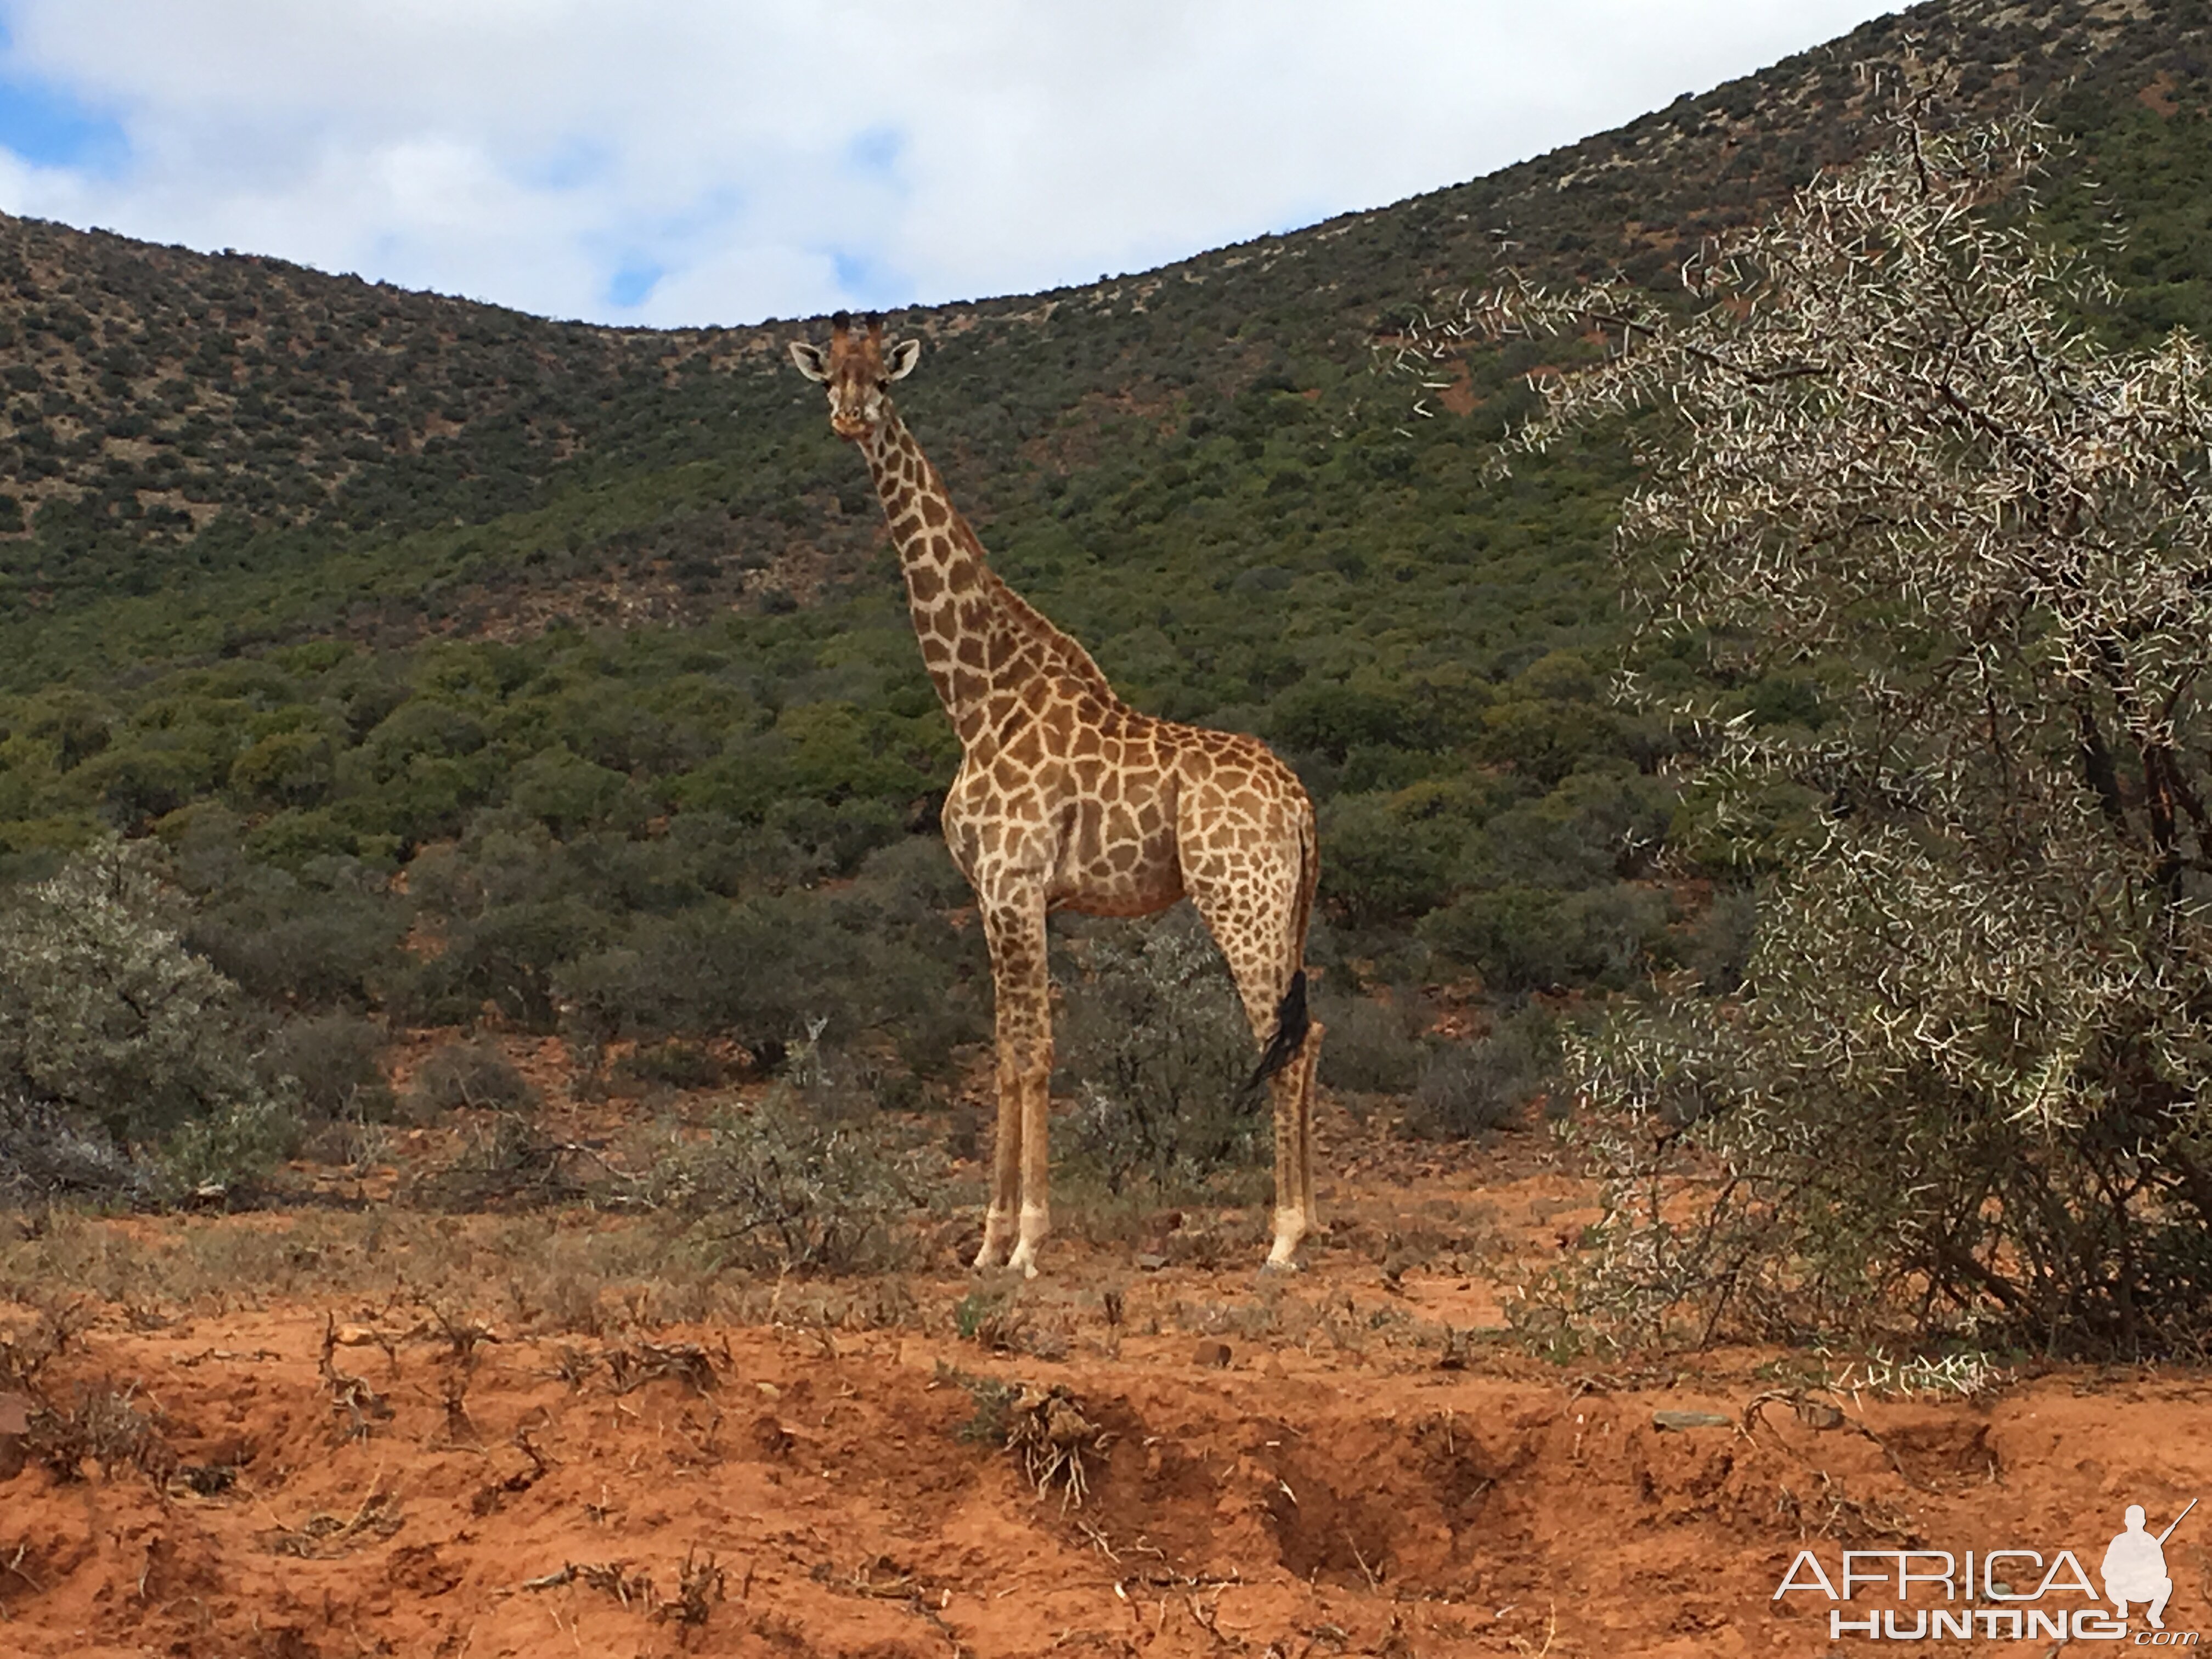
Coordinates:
<point>2134,1566</point>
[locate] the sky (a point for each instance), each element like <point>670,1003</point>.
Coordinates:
<point>675,162</point>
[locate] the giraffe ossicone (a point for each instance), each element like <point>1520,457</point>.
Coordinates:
<point>1068,798</point>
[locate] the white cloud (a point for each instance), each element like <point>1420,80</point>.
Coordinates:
<point>723,160</point>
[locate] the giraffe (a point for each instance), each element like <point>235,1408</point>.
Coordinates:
<point>1067,798</point>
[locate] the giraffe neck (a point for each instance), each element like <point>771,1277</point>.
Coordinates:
<point>988,652</point>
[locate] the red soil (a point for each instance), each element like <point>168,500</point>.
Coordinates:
<point>1332,1488</point>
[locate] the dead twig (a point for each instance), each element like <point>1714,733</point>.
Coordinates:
<point>613,1578</point>
<point>322,1536</point>
<point>351,1395</point>
<point>637,1363</point>
<point>700,1582</point>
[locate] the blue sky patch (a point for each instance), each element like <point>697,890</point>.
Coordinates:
<point>634,283</point>
<point>569,165</point>
<point>876,151</point>
<point>48,126</point>
<point>866,281</point>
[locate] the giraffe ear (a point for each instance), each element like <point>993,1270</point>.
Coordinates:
<point>903,357</point>
<point>809,360</point>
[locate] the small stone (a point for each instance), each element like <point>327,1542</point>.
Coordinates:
<point>1151,1263</point>
<point>774,1440</point>
<point>1679,1420</point>
<point>1213,1353</point>
<point>14,1423</point>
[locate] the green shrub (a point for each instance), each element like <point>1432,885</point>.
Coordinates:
<point>289,941</point>
<point>470,1074</point>
<point>779,1189</point>
<point>1372,1047</point>
<point>1332,720</point>
<point>880,953</point>
<point>1594,828</point>
<point>1379,864</point>
<point>331,1061</point>
<point>104,1013</point>
<point>1156,1048</point>
<point>1616,935</point>
<point>46,1154</point>
<point>508,957</point>
<point>1533,939</point>
<point>1467,1088</point>
<point>230,1149</point>
<point>753,970</point>
<point>1719,947</point>
<point>671,1064</point>
<point>564,791</point>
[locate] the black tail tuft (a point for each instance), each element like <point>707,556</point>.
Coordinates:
<point>1292,1022</point>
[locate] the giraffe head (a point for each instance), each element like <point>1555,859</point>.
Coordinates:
<point>859,372</point>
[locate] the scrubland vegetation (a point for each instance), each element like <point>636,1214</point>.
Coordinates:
<point>374,662</point>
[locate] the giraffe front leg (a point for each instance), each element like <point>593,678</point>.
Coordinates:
<point>1015,924</point>
<point>1036,1086</point>
<point>1036,1206</point>
<point>1005,1157</point>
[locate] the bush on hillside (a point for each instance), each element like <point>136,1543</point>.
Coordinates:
<point>475,1075</point>
<point>114,1035</point>
<point>1469,1088</point>
<point>332,1062</point>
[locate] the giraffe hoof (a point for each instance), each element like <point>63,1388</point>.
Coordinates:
<point>1282,1267</point>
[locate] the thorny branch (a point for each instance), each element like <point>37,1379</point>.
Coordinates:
<point>1885,453</point>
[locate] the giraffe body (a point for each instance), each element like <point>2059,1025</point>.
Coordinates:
<point>1067,798</point>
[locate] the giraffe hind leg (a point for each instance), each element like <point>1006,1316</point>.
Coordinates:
<point>1252,917</point>
<point>1292,1092</point>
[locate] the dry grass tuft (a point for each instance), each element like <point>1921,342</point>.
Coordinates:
<point>1048,1432</point>
<point>322,1536</point>
<point>700,1582</point>
<point>637,1363</point>
<point>103,1426</point>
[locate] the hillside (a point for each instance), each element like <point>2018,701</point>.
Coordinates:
<point>474,662</point>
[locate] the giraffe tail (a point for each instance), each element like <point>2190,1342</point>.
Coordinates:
<point>1292,1022</point>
